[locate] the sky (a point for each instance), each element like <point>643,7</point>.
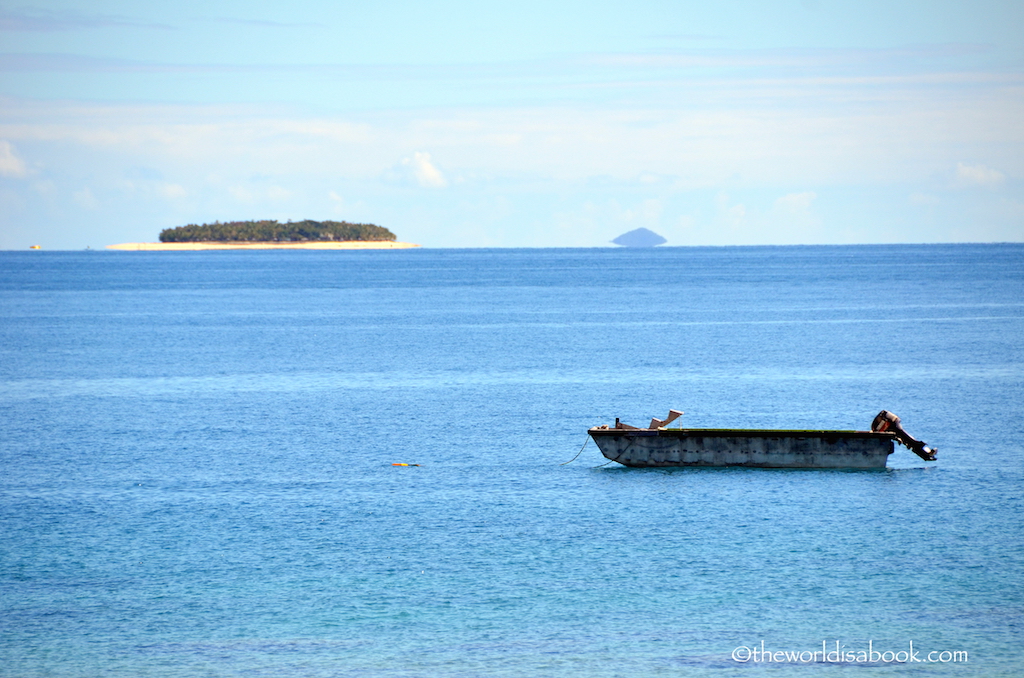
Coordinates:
<point>526,124</point>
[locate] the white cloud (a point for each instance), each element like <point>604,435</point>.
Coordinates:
<point>253,195</point>
<point>796,203</point>
<point>651,210</point>
<point>731,217</point>
<point>793,220</point>
<point>562,157</point>
<point>427,175</point>
<point>241,194</point>
<point>45,188</point>
<point>278,193</point>
<point>977,175</point>
<point>173,191</point>
<point>923,199</point>
<point>86,199</point>
<point>338,205</point>
<point>10,164</point>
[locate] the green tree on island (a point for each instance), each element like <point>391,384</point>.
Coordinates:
<point>270,230</point>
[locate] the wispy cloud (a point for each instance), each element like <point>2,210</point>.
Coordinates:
<point>279,193</point>
<point>902,59</point>
<point>263,23</point>
<point>46,21</point>
<point>173,191</point>
<point>424,170</point>
<point>977,175</point>
<point>687,37</point>
<point>796,203</point>
<point>10,164</point>
<point>792,218</point>
<point>81,63</point>
<point>78,63</point>
<point>923,199</point>
<point>685,68</point>
<point>85,198</point>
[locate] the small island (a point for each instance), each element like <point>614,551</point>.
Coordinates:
<point>271,234</point>
<point>640,237</point>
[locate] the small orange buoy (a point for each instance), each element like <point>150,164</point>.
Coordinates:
<point>405,464</point>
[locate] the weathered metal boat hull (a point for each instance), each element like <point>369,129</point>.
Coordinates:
<point>744,447</point>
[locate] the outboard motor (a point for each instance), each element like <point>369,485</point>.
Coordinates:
<point>887,421</point>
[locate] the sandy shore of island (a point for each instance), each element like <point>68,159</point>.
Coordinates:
<point>319,245</point>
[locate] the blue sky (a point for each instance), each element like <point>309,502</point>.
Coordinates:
<point>515,125</point>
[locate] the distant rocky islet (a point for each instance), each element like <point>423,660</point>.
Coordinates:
<point>639,237</point>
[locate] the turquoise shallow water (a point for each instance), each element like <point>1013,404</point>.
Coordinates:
<point>197,449</point>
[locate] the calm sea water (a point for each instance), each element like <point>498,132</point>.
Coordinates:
<point>197,450</point>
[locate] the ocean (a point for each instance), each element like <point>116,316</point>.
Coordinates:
<point>197,456</point>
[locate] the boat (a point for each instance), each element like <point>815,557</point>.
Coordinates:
<point>660,446</point>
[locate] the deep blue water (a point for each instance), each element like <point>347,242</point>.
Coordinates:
<point>197,449</point>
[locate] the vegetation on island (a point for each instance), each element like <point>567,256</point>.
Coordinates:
<point>270,230</point>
